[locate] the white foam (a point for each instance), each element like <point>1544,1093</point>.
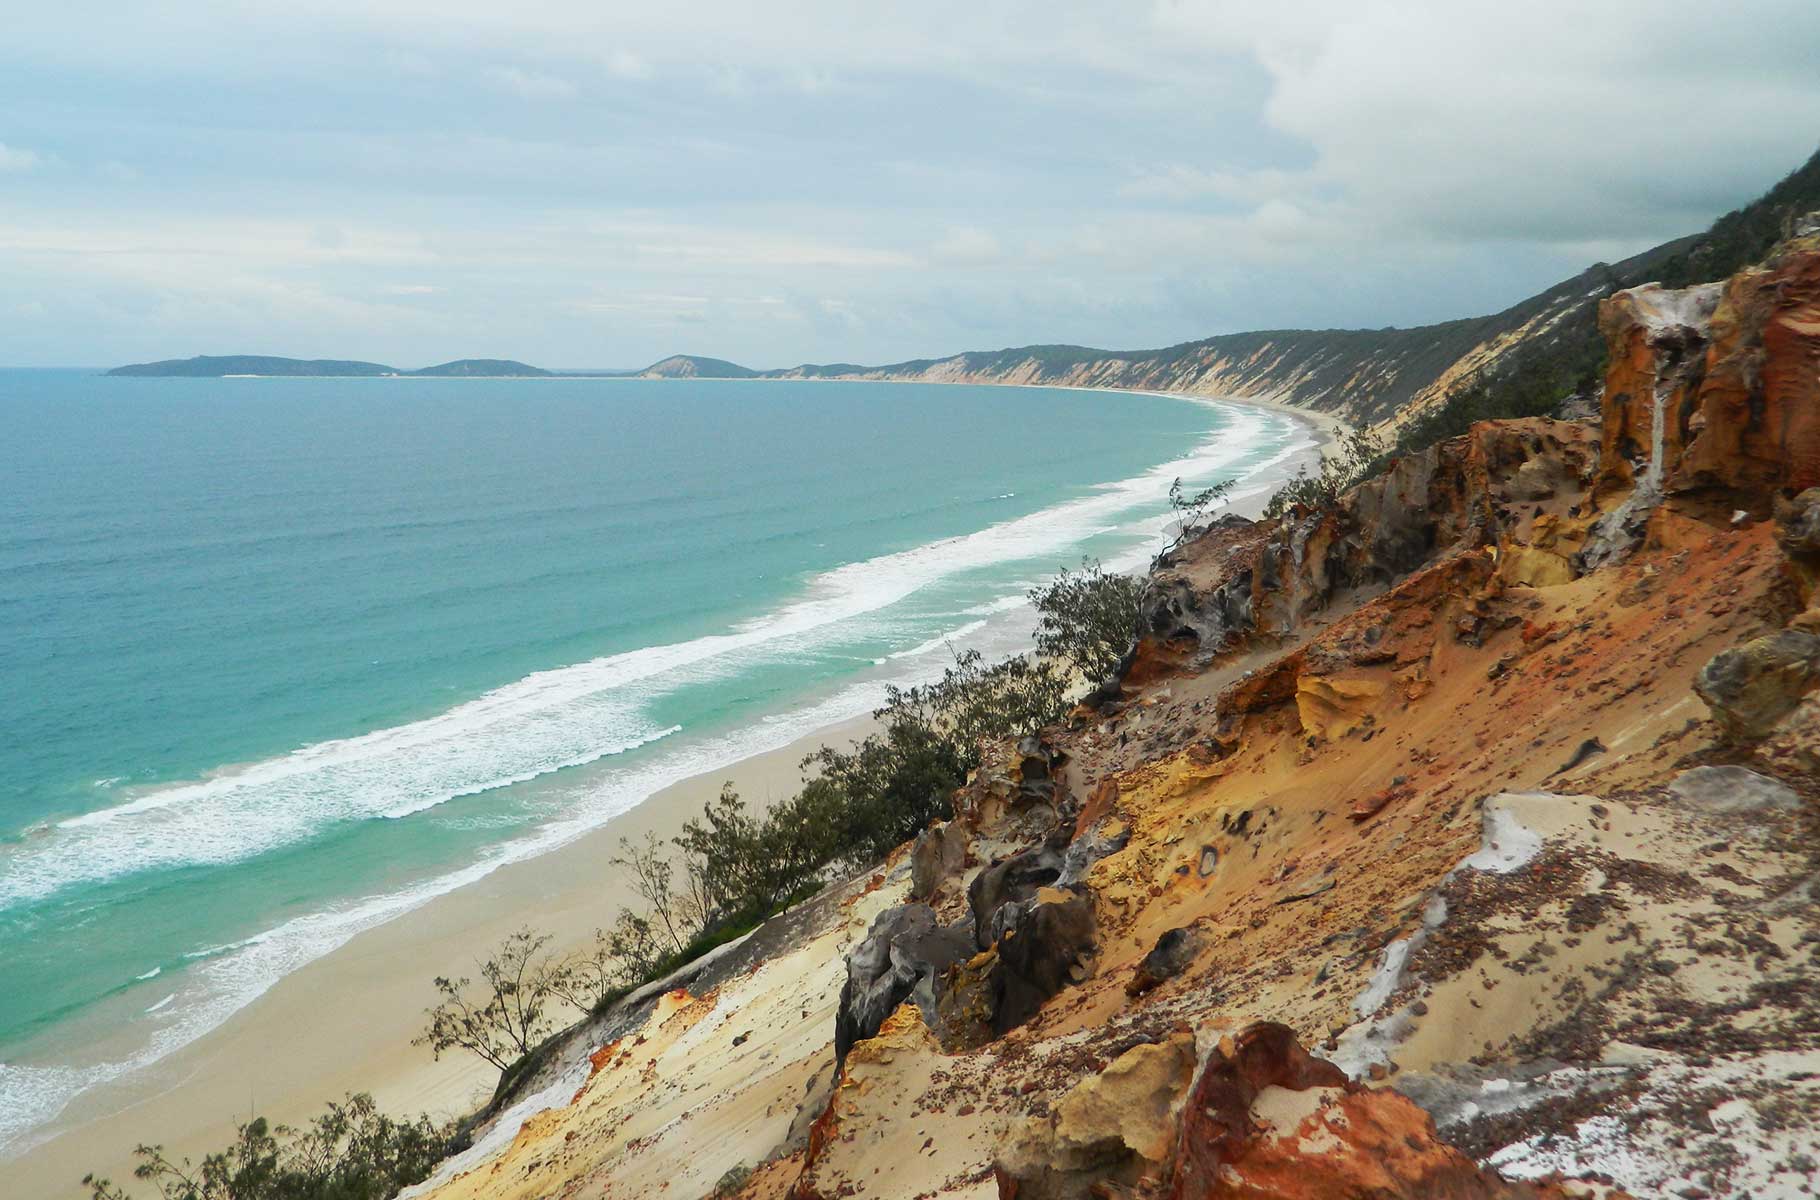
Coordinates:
<point>224,979</point>
<point>994,607</point>
<point>543,723</point>
<point>939,641</point>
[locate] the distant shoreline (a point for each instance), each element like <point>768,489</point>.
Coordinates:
<point>1330,429</point>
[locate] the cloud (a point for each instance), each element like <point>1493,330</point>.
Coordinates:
<point>623,64</point>
<point>967,244</point>
<point>531,85</point>
<point>1180,182</point>
<point>1549,120</point>
<point>894,180</point>
<point>13,158</point>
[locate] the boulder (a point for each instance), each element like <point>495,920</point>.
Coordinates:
<point>903,957</point>
<point>1115,1126</point>
<point>1048,943</point>
<point>1752,687</point>
<point>1011,880</point>
<point>940,852</point>
<point>1731,790</point>
<point>1268,1121</point>
<point>1167,959</point>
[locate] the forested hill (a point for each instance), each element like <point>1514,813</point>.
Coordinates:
<point>215,366</point>
<point>1524,359</point>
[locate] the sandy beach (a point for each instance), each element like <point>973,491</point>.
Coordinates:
<point>344,1022</point>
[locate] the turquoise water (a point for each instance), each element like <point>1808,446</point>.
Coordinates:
<point>280,659</point>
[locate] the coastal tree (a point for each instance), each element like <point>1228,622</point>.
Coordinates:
<point>593,975</point>
<point>1088,618</point>
<point>509,1012</point>
<point>634,945</point>
<point>750,864</point>
<point>1191,510</point>
<point>652,873</point>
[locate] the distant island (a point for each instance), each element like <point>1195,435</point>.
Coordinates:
<point>216,366</point>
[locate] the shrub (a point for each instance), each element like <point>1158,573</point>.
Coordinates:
<point>1088,618</point>
<point>749,865</point>
<point>1191,510</point>
<point>352,1152</point>
<point>1360,458</point>
<point>511,1012</point>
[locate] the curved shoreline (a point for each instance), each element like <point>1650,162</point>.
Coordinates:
<point>343,1021</point>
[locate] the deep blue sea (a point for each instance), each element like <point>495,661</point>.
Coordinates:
<point>279,656</point>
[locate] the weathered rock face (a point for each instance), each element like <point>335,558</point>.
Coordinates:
<point>1020,784</point>
<point>1656,340</point>
<point>903,957</point>
<point>937,856</point>
<point>1757,421</point>
<point>1716,386</point>
<point>1268,1121</point>
<point>1245,582</point>
<point>1751,689</point>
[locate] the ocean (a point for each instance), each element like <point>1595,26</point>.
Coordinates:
<point>283,658</point>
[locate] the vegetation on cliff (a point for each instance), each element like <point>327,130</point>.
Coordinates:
<point>351,1152</point>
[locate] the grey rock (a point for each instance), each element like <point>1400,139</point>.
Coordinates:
<point>1798,523</point>
<point>1045,948</point>
<point>938,855</point>
<point>1011,881</point>
<point>903,957</point>
<point>1167,959</point>
<point>1731,790</point>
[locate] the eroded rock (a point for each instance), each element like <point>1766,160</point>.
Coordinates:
<point>1011,881</point>
<point>1114,1126</point>
<point>939,854</point>
<point>1170,956</point>
<point>1752,687</point>
<point>1268,1121</point>
<point>1048,945</point>
<point>901,958</point>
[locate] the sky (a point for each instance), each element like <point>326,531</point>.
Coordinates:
<point>597,183</point>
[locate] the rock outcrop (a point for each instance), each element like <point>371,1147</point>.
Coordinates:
<point>1751,689</point>
<point>903,958</point>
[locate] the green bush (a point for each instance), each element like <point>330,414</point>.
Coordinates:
<point>1088,618</point>
<point>352,1152</point>
<point>1360,458</point>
